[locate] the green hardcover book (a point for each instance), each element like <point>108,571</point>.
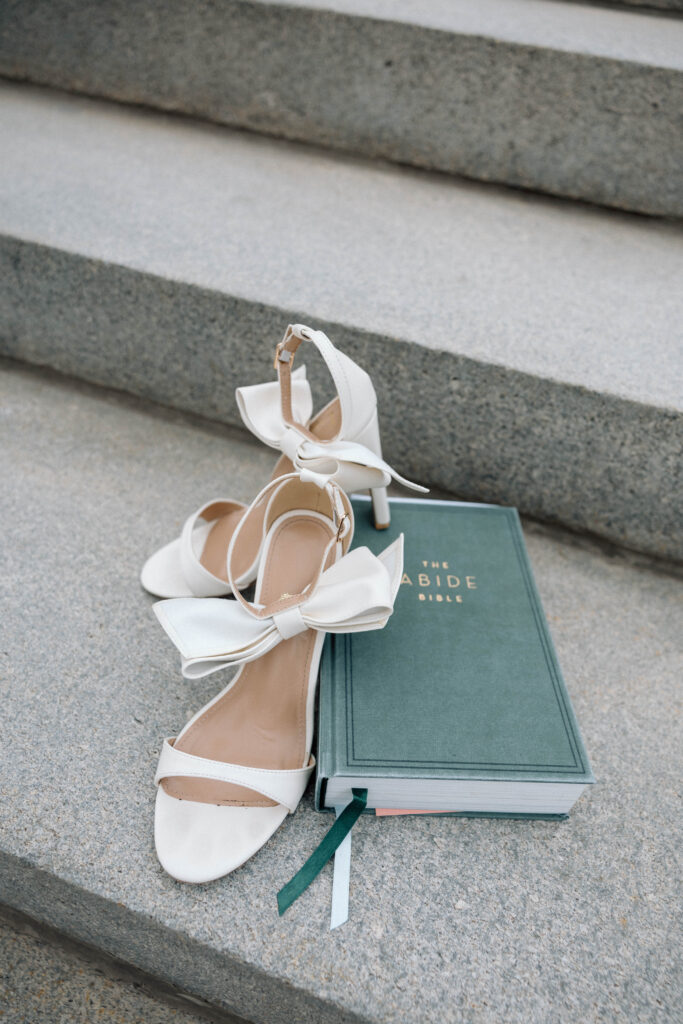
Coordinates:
<point>458,705</point>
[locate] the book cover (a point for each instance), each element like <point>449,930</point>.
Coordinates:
<point>462,687</point>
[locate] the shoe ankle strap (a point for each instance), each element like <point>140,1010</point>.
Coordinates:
<point>278,412</point>
<point>357,399</point>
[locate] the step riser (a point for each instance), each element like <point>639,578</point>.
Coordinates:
<point>574,125</point>
<point>559,452</point>
<point>117,931</point>
<point>646,5</point>
<point>47,973</point>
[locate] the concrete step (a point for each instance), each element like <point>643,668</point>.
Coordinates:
<point>675,6</point>
<point>524,351</point>
<point>47,979</point>
<point>573,100</point>
<point>452,921</point>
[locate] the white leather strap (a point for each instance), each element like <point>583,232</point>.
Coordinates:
<point>279,412</point>
<point>356,393</point>
<point>341,531</point>
<point>350,465</point>
<point>290,622</point>
<point>200,580</point>
<point>260,409</point>
<point>284,786</point>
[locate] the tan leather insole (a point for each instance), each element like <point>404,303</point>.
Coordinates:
<point>261,720</point>
<point>325,426</point>
<point>214,555</point>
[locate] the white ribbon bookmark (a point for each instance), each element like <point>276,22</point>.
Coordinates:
<point>341,878</point>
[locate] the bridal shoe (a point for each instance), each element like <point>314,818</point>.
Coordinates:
<point>242,763</point>
<point>279,414</point>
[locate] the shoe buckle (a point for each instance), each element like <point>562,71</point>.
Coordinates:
<point>279,357</point>
<point>341,532</point>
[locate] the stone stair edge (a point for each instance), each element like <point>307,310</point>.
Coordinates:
<point>155,949</point>
<point>333,326</point>
<point>527,471</point>
<point>648,6</point>
<point>78,176</point>
<point>557,25</point>
<point>524,317</point>
<point>538,161</point>
<point>47,972</point>
<point>236,431</point>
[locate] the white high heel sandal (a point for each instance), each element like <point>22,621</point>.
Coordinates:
<point>194,565</point>
<point>229,779</point>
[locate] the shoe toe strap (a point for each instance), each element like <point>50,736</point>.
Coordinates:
<point>200,581</point>
<point>284,786</point>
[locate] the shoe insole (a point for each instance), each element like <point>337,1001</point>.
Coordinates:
<point>214,555</point>
<point>261,720</point>
<point>325,425</point>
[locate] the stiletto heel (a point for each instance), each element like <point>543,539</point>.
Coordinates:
<point>380,508</point>
<point>369,437</point>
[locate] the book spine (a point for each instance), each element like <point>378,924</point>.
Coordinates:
<point>326,710</point>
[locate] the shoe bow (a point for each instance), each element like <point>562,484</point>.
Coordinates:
<point>350,465</point>
<point>261,410</point>
<point>355,594</point>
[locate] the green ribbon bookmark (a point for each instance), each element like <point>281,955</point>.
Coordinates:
<point>322,853</point>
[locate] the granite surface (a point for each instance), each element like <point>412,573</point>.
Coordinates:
<point>548,24</point>
<point>523,351</point>
<point>661,5</point>
<point>582,102</point>
<point>451,920</point>
<point>44,980</point>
